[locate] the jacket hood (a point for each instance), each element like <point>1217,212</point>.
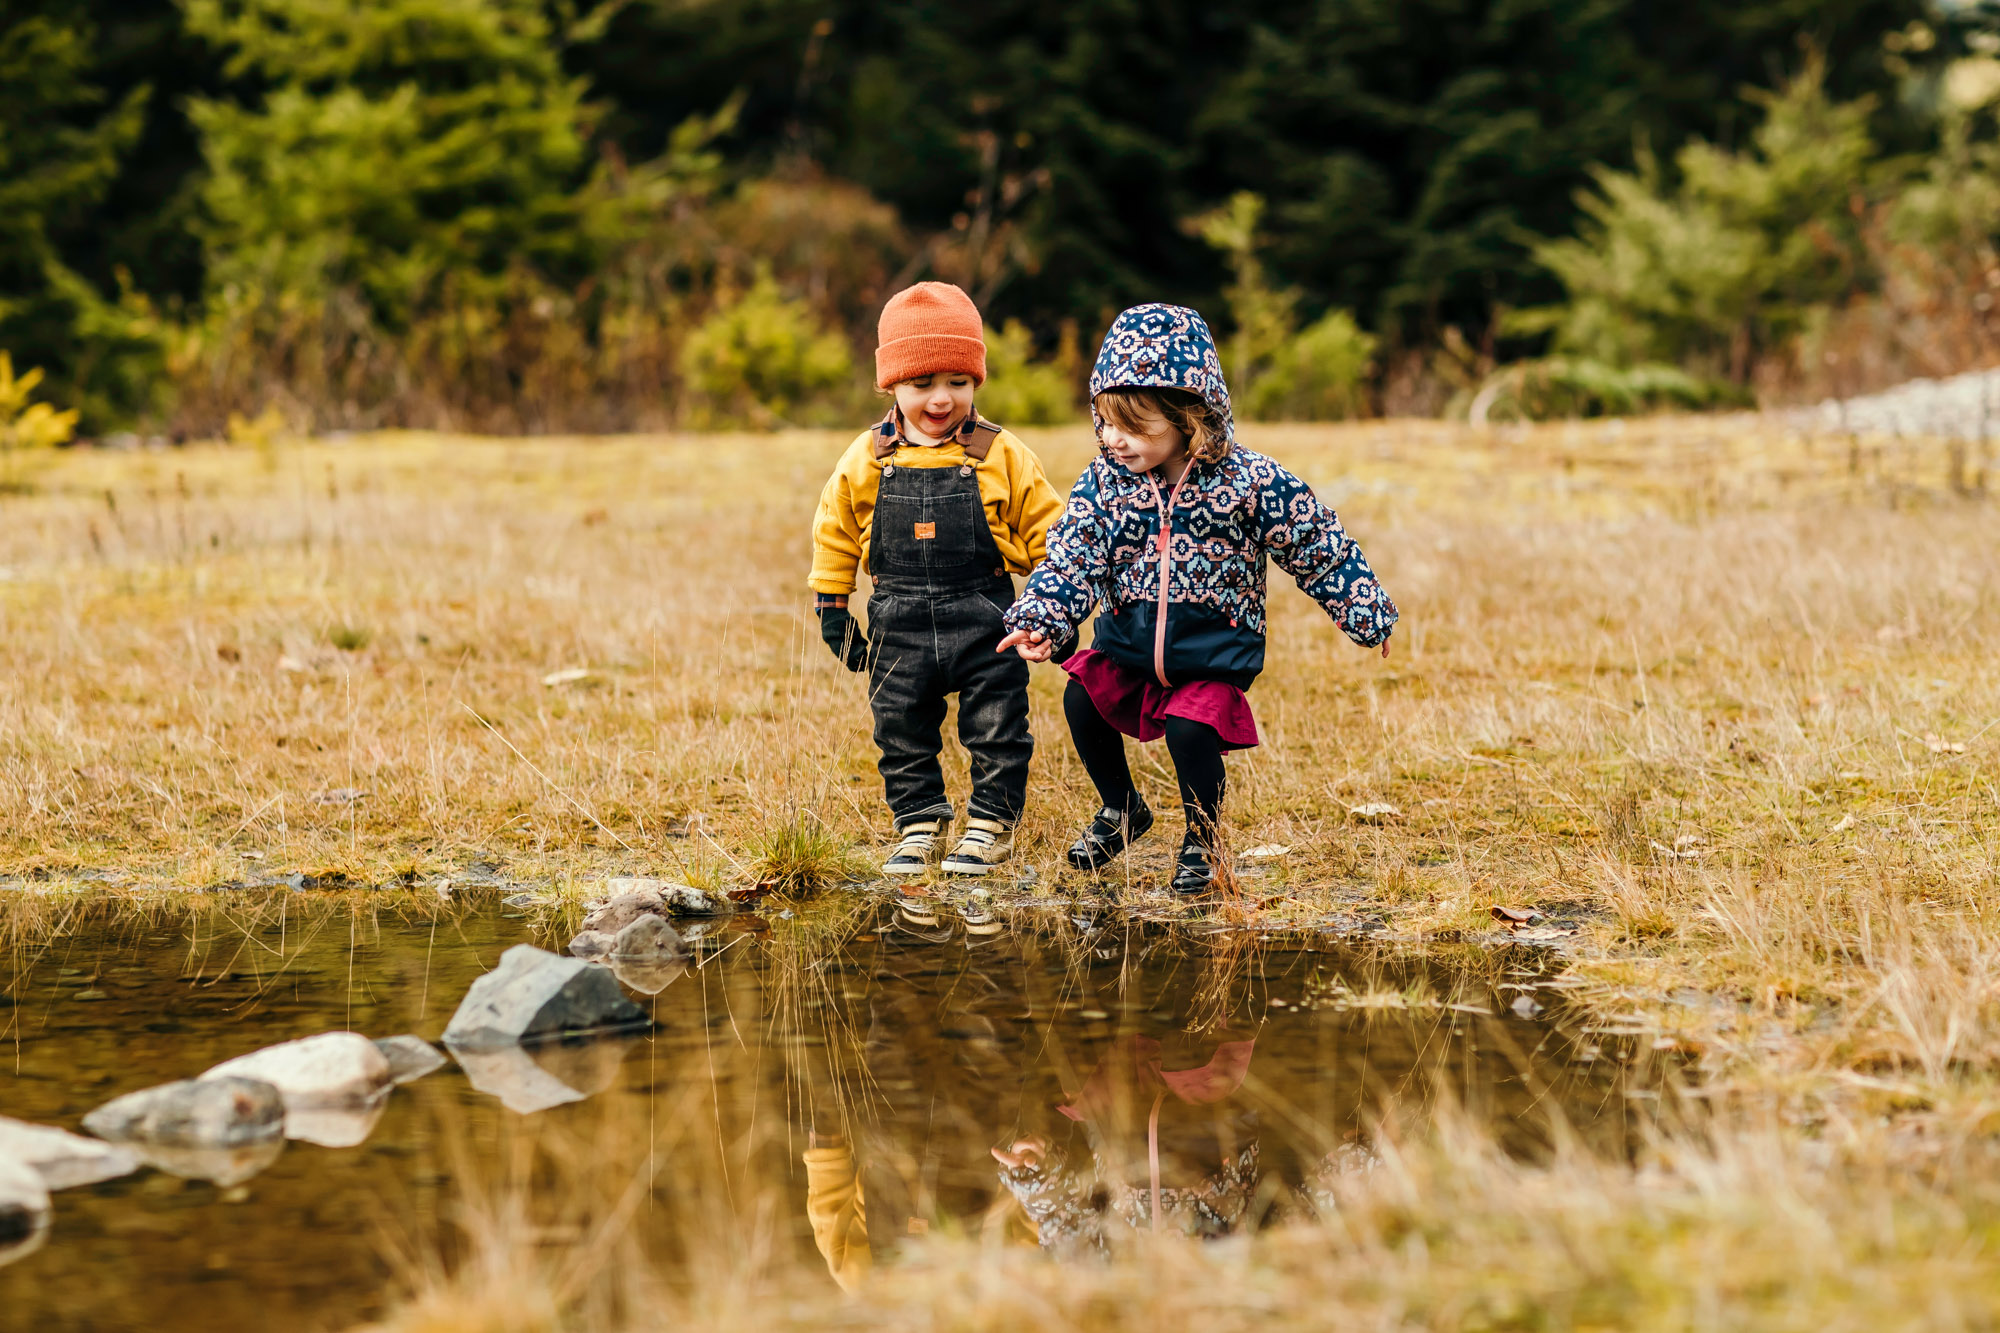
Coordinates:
<point>1159,346</point>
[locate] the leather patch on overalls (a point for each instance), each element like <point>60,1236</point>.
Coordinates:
<point>926,532</point>
<point>978,441</point>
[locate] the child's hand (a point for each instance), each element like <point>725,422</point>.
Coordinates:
<point>842,635</point>
<point>1385,648</point>
<point>1031,644</point>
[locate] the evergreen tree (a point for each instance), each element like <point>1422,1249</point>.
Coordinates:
<point>60,149</point>
<point>400,148</point>
<point>1725,258</point>
<point>1409,149</point>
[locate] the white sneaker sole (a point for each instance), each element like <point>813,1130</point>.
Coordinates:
<point>971,868</point>
<point>893,869</point>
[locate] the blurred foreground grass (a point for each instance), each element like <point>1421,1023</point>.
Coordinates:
<point>1723,699</point>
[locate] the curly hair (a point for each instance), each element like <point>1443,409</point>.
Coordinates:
<point>1140,411</point>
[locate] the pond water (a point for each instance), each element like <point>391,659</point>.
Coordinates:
<point>825,1087</point>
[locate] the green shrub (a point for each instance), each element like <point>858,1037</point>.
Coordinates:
<point>1318,374</point>
<point>1278,372</point>
<point>1724,258</point>
<point>1021,391</point>
<point>762,359</point>
<point>1554,388</point>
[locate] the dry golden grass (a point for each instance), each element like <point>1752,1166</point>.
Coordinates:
<point>1723,699</point>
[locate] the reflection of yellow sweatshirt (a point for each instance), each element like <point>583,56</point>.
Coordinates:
<point>1020,503</point>
<point>839,1214</point>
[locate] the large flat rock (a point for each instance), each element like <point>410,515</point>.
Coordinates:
<point>64,1160</point>
<point>535,995</point>
<point>331,1069</point>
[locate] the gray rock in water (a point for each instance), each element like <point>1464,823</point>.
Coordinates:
<point>63,1159</point>
<point>535,994</point>
<point>409,1057</point>
<point>24,1209</point>
<point>194,1113</point>
<point>330,1069</point>
<point>650,937</point>
<point>591,944</point>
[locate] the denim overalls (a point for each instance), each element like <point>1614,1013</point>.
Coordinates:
<point>941,588</point>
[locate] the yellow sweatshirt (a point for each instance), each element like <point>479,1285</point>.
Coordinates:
<point>1020,503</point>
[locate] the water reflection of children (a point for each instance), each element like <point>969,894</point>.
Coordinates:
<point>944,1050</point>
<point>1171,1149</point>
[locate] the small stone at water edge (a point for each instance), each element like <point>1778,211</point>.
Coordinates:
<point>591,944</point>
<point>1375,812</point>
<point>628,898</point>
<point>1265,852</point>
<point>1524,1006</point>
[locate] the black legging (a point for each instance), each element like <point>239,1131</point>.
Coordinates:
<point>1196,751</point>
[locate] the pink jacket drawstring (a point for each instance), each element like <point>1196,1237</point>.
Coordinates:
<point>1166,567</point>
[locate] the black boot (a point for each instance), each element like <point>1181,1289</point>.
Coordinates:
<point>1194,870</point>
<point>1110,833</point>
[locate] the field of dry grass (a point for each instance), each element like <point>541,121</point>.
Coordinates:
<point>1722,701</point>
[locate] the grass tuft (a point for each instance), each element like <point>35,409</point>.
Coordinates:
<point>802,856</point>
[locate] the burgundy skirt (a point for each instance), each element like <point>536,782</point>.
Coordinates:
<point>1138,705</point>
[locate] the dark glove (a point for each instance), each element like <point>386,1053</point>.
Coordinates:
<point>844,637</point>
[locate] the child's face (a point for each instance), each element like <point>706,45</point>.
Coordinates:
<point>1140,452</point>
<point>933,405</point>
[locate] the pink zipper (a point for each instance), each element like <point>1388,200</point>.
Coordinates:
<point>1166,568</point>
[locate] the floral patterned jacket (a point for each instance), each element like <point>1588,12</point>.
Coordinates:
<point>1224,520</point>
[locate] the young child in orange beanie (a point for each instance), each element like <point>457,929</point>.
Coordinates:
<point>944,508</point>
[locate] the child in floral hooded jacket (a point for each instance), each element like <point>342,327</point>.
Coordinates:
<point>1166,532</point>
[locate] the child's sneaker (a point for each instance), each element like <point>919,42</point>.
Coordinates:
<point>913,854</point>
<point>1110,833</point>
<point>987,842</point>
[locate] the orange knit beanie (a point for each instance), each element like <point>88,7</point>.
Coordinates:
<point>929,329</point>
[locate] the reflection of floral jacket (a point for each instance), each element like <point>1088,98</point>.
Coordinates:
<point>1229,515</point>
